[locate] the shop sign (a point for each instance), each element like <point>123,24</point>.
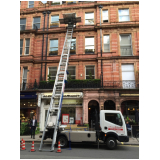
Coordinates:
<point>65,95</point>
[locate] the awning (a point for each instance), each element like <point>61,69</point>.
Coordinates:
<point>28,95</point>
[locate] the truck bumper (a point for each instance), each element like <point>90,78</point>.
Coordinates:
<point>123,138</point>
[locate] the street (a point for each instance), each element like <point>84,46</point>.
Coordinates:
<point>82,151</point>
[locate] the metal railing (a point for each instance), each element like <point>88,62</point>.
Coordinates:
<point>83,84</point>
<point>126,84</point>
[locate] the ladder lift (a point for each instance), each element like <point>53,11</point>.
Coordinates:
<point>54,111</point>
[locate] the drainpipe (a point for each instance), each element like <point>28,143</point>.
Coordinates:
<point>100,7</point>
<point>48,12</point>
<point>44,13</point>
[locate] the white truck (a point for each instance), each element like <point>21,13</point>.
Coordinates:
<point>112,128</point>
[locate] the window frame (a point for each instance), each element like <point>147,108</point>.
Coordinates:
<point>127,44</point>
<point>21,47</point>
<point>116,116</point>
<point>30,4</point>
<point>27,46</point>
<point>71,46</point>
<point>87,52</point>
<point>86,71</point>
<point>56,68</point>
<point>54,52</point>
<point>52,26</point>
<point>106,43</point>
<point>22,24</point>
<point>123,15</point>
<point>36,23</point>
<point>74,71</point>
<point>23,87</point>
<point>103,16</point>
<point>89,19</point>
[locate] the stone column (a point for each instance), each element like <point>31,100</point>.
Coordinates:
<point>85,111</point>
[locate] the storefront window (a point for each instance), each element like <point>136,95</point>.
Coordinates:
<point>71,112</point>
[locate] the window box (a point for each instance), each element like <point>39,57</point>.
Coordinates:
<point>55,3</point>
<point>73,51</point>
<point>89,51</point>
<point>53,53</point>
<point>71,2</point>
<point>54,25</point>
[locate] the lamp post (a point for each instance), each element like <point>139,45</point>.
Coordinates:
<point>100,7</point>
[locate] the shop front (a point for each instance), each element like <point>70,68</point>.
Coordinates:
<point>28,106</point>
<point>71,111</point>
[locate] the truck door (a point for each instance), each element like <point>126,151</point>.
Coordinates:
<point>113,122</point>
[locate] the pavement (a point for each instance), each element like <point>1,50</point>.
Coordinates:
<point>28,139</point>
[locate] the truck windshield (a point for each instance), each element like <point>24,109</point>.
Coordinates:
<point>114,118</point>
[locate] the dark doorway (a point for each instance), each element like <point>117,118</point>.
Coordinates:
<point>109,105</point>
<point>93,113</point>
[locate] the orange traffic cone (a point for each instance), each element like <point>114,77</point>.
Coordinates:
<point>59,148</point>
<point>32,147</point>
<point>23,146</point>
<point>21,143</point>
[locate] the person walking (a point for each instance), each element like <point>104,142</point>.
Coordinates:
<point>33,126</point>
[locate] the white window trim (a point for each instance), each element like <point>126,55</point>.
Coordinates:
<point>126,45</point>
<point>30,4</point>
<point>27,46</point>
<point>103,17</point>
<point>121,15</point>
<point>89,45</point>
<point>89,19</point>
<point>106,43</point>
<point>89,66</point>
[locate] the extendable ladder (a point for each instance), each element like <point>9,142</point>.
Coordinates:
<point>54,111</point>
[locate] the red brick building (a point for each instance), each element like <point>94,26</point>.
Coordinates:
<point>41,43</point>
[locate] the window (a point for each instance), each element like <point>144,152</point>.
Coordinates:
<point>21,46</point>
<point>72,72</point>
<point>56,2</point>
<point>27,46</point>
<point>90,72</point>
<point>89,18</point>
<point>36,22</point>
<point>125,45</point>
<point>106,43</point>
<point>123,15</point>
<point>73,46</point>
<point>105,15</point>
<point>114,118</point>
<point>53,47</point>
<point>52,71</point>
<point>128,78</point>
<point>30,4</point>
<point>89,45</point>
<point>22,24</point>
<point>24,80</point>
<point>54,21</point>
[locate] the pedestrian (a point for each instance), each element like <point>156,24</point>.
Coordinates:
<point>33,126</point>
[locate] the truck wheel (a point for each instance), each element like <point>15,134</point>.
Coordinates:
<point>111,143</point>
<point>63,141</point>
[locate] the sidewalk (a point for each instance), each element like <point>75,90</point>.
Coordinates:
<point>132,141</point>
